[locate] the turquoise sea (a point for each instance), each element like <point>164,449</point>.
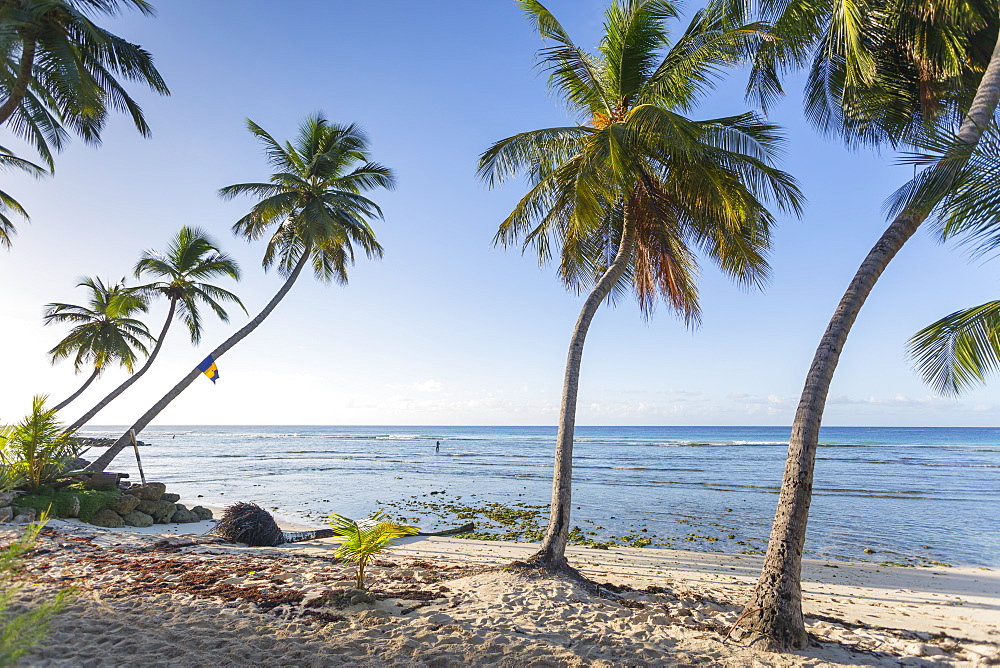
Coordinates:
<point>914,495</point>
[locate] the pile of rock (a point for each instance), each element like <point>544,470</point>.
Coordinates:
<point>145,505</point>
<point>9,513</point>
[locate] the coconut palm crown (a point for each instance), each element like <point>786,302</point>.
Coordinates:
<point>683,184</point>
<point>879,71</point>
<point>59,69</point>
<point>313,204</point>
<point>627,197</point>
<point>103,332</point>
<point>191,258</point>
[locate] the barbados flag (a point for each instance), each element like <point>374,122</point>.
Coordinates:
<point>208,368</point>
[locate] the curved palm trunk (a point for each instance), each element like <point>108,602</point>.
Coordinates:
<point>20,86</point>
<point>552,552</point>
<point>93,376</point>
<point>106,458</point>
<point>775,607</point>
<point>89,415</point>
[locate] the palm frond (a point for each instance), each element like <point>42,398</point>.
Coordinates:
<point>958,351</point>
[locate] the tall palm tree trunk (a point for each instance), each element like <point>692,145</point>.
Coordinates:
<point>65,402</point>
<point>552,552</point>
<point>775,607</point>
<point>20,86</point>
<point>106,458</point>
<point>89,415</point>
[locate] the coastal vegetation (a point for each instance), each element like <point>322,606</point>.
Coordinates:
<point>191,258</point>
<point>9,205</point>
<point>315,213</point>
<point>60,73</point>
<point>103,333</point>
<point>21,631</point>
<point>362,540</point>
<point>912,73</point>
<point>36,451</point>
<point>628,198</point>
<point>958,352</point>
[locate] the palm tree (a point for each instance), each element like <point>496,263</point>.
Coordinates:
<point>313,208</point>
<point>896,73</point>
<point>191,257</point>
<point>628,198</point>
<point>7,203</point>
<point>104,332</point>
<point>59,69</point>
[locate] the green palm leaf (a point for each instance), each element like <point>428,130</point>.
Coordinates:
<point>361,540</point>
<point>958,351</point>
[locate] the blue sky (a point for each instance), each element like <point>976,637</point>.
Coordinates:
<point>448,329</point>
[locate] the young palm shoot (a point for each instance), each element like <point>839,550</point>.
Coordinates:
<point>20,632</point>
<point>360,540</point>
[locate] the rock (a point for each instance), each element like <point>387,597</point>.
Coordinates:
<point>107,518</point>
<point>148,507</point>
<point>20,513</point>
<point>153,491</point>
<point>85,442</point>
<point>6,514</point>
<point>363,597</point>
<point>172,498</point>
<point>202,513</point>
<point>138,518</point>
<point>125,504</point>
<point>183,515</point>
<point>163,511</point>
<point>6,498</point>
<point>74,509</point>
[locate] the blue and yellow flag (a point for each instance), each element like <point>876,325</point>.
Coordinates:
<point>208,368</point>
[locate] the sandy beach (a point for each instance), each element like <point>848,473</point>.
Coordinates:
<point>173,596</point>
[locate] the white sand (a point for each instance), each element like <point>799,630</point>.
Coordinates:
<point>151,600</point>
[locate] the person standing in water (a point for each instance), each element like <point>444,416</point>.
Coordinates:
<point>437,446</point>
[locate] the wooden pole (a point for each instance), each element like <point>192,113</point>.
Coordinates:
<point>135,446</point>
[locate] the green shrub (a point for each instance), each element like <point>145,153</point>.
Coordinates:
<point>92,500</point>
<point>36,451</point>
<point>60,504</point>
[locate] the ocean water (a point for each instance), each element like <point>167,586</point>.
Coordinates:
<point>915,495</point>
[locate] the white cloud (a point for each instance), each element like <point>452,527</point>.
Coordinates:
<point>429,385</point>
